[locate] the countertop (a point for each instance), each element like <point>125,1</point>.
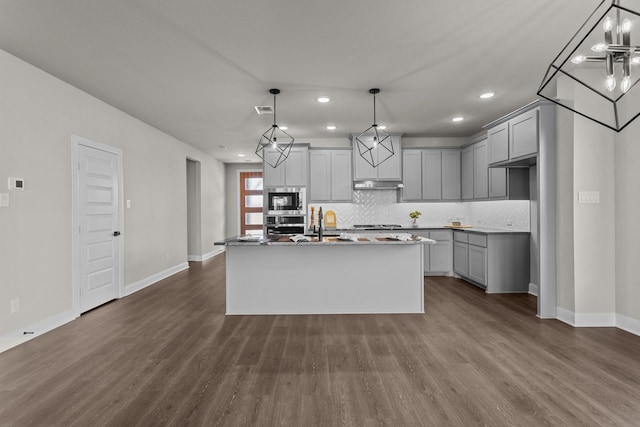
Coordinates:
<point>364,238</point>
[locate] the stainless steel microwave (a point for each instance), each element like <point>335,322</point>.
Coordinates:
<point>285,201</point>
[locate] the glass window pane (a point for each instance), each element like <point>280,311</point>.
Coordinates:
<point>253,184</point>
<point>253,218</point>
<point>253,201</point>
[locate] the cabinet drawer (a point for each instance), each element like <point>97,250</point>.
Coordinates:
<point>478,240</point>
<point>440,236</point>
<point>460,236</point>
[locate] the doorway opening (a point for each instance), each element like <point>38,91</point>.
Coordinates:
<point>251,214</point>
<point>194,222</point>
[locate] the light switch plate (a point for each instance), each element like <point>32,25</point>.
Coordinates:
<point>16,184</point>
<point>589,197</point>
<point>4,200</point>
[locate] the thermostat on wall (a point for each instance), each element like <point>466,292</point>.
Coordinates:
<point>16,184</point>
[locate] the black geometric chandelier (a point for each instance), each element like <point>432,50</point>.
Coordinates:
<point>596,74</point>
<point>374,144</point>
<point>275,144</point>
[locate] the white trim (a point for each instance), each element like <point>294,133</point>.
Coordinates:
<point>596,320</point>
<point>76,141</point>
<point>566,316</point>
<point>45,325</point>
<point>196,258</point>
<point>533,289</point>
<point>148,281</point>
<point>628,324</point>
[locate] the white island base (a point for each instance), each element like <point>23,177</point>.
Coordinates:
<point>325,278</point>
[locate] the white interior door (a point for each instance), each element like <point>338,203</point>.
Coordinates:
<point>99,222</point>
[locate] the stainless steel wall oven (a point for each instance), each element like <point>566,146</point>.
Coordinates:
<point>286,210</point>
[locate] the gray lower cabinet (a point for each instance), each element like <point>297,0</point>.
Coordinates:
<point>438,257</point>
<point>497,262</point>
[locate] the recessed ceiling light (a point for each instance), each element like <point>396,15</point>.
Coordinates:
<point>383,127</point>
<point>457,119</point>
<point>240,155</point>
<point>331,127</point>
<point>324,99</point>
<point>283,127</point>
<point>487,95</point>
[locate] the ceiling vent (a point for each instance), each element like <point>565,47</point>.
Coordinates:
<point>268,109</point>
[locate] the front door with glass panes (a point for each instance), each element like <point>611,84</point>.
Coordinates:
<point>251,218</point>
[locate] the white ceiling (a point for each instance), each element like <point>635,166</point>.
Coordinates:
<point>196,68</point>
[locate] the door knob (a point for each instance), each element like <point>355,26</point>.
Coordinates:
<point>116,233</point>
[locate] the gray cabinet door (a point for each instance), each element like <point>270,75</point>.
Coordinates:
<point>432,175</point>
<point>497,183</point>
<point>478,264</point>
<point>450,175</point>
<point>273,177</point>
<point>319,175</point>
<point>498,138</point>
<point>341,179</point>
<point>412,175</point>
<point>480,171</point>
<point>466,173</point>
<point>440,256</point>
<point>523,135</point>
<point>461,258</point>
<point>391,169</point>
<point>297,167</point>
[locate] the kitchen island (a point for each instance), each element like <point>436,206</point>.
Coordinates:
<point>374,274</point>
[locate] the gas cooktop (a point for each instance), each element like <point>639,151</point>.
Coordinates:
<point>377,226</point>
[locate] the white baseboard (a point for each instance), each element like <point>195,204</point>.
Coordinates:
<point>628,324</point>
<point>148,281</point>
<point>200,258</point>
<point>566,316</point>
<point>599,320</point>
<point>533,289</point>
<point>44,325</point>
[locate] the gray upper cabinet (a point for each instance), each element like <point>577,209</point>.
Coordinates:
<point>451,179</point>
<point>431,174</point>
<point>515,139</point>
<point>498,139</point>
<point>330,176</point>
<point>293,172</point>
<point>480,170</point>
<point>412,174</point>
<point>466,173</point>
<point>389,170</point>
<point>523,132</point>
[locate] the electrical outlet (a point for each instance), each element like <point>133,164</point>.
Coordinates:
<point>509,223</point>
<point>15,305</point>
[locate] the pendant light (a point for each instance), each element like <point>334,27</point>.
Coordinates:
<point>594,74</point>
<point>275,144</point>
<point>374,144</point>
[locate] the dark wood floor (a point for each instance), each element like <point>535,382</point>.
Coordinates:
<point>167,355</point>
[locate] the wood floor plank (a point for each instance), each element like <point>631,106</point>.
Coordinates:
<point>168,355</point>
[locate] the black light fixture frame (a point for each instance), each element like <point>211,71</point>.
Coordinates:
<point>274,144</point>
<point>614,110</point>
<point>374,144</point>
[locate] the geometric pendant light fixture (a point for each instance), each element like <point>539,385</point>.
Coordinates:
<point>597,72</point>
<point>275,144</point>
<point>374,144</point>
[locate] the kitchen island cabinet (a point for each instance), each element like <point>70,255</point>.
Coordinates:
<point>280,277</point>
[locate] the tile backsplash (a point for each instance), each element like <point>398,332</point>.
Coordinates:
<point>382,207</point>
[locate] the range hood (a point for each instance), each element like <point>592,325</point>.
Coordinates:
<point>377,185</point>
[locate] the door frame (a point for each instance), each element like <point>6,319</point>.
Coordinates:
<point>76,142</point>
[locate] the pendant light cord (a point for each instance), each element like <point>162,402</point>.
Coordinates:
<point>274,111</point>
<point>374,110</point>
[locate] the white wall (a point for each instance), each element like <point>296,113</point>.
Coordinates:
<point>627,230</point>
<point>38,116</point>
